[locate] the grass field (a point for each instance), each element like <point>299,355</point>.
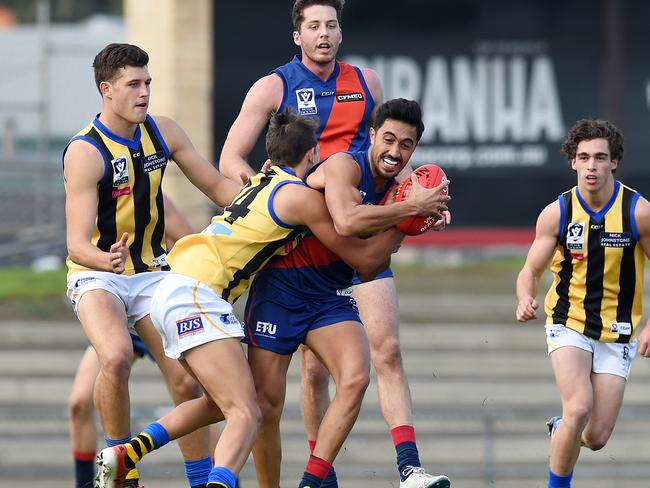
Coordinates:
<point>28,294</point>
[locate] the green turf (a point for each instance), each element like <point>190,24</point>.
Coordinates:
<point>27,294</point>
<point>25,283</point>
<point>30,295</point>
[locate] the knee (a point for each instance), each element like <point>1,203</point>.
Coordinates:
<point>182,387</point>
<point>577,414</point>
<point>81,409</point>
<point>117,364</point>
<point>270,405</point>
<point>354,385</point>
<point>596,439</point>
<point>248,414</point>
<point>314,373</point>
<point>387,355</point>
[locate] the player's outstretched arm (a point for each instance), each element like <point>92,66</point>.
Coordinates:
<point>83,167</point>
<point>642,219</point>
<point>539,256</point>
<point>300,205</point>
<point>263,98</point>
<point>195,166</point>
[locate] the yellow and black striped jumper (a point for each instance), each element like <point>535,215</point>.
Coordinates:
<point>236,244</point>
<point>129,194</point>
<point>597,268</point>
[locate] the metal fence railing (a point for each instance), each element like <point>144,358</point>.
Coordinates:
<point>32,215</point>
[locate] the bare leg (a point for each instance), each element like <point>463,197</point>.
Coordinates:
<point>232,389</point>
<point>378,307</point>
<point>572,367</point>
<point>182,387</point>
<point>270,374</point>
<point>104,322</point>
<point>314,391</point>
<point>344,350</point>
<point>83,432</point>
<point>608,390</point>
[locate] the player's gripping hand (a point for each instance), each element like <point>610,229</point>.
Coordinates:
<point>444,221</point>
<point>526,309</point>
<point>117,254</point>
<point>429,201</point>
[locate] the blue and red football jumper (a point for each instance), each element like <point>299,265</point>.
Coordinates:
<point>342,103</point>
<point>312,270</point>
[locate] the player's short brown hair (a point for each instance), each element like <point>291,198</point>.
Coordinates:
<point>116,56</point>
<point>300,5</point>
<point>289,137</point>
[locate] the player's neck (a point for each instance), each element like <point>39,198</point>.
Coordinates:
<point>323,71</point>
<point>596,200</point>
<point>118,125</point>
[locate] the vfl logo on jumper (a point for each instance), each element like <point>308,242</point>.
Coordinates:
<point>120,171</point>
<point>154,162</point>
<point>349,97</point>
<point>160,261</point>
<point>265,328</point>
<point>621,328</point>
<point>615,239</point>
<point>575,238</point>
<point>306,101</point>
<point>189,326</point>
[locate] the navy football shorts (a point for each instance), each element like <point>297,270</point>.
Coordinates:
<point>279,321</point>
<point>387,273</point>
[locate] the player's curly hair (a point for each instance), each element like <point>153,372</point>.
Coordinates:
<point>589,129</point>
<point>300,5</point>
<point>289,137</point>
<point>115,56</point>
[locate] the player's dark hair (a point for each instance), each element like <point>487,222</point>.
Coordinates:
<point>300,5</point>
<point>289,137</point>
<point>407,111</point>
<point>116,56</point>
<point>589,129</point>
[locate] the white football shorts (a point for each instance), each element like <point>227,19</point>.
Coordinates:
<point>608,357</point>
<point>188,313</point>
<point>134,291</point>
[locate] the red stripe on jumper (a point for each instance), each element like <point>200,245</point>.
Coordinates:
<point>345,117</point>
<point>310,252</point>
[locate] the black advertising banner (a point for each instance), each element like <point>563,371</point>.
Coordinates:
<point>499,82</point>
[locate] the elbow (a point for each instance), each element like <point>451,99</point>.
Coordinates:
<point>76,251</point>
<point>224,167</point>
<point>73,250</point>
<point>344,229</point>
